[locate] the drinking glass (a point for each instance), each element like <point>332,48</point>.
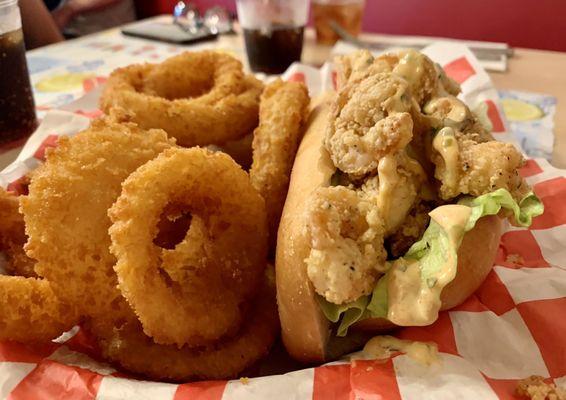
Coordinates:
<point>346,13</point>
<point>17,108</point>
<point>273,32</point>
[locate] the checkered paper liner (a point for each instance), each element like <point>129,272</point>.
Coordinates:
<point>512,327</point>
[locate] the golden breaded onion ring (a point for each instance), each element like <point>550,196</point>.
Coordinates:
<point>31,312</point>
<point>283,109</point>
<point>13,237</point>
<point>66,213</point>
<point>199,98</point>
<point>136,352</point>
<point>200,288</point>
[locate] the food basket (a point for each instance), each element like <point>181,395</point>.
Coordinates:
<point>512,327</point>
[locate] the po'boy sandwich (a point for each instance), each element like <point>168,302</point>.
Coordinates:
<point>395,207</point>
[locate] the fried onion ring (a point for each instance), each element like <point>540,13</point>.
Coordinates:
<point>130,348</point>
<point>199,98</point>
<point>31,312</point>
<point>66,212</point>
<point>205,281</point>
<point>13,237</point>
<point>283,109</point>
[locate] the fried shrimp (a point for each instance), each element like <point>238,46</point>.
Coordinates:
<point>535,388</point>
<point>369,121</point>
<point>347,253</point>
<point>356,66</point>
<point>66,212</point>
<point>378,110</point>
<point>425,78</point>
<point>464,166</point>
<point>13,237</point>
<point>136,352</point>
<point>199,98</point>
<point>204,283</point>
<point>283,109</point>
<point>31,312</point>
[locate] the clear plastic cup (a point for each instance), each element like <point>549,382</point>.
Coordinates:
<point>273,32</point>
<point>17,108</point>
<point>346,13</point>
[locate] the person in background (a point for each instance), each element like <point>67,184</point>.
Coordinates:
<point>39,27</point>
<point>82,17</point>
<point>70,17</point>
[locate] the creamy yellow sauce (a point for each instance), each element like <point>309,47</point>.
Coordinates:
<point>398,102</point>
<point>381,347</point>
<point>452,217</point>
<point>388,178</point>
<point>447,146</point>
<point>393,199</point>
<point>456,114</point>
<point>414,301</point>
<point>410,67</point>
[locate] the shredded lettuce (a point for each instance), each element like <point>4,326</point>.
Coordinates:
<point>377,306</point>
<point>491,203</point>
<point>333,312</point>
<point>431,253</point>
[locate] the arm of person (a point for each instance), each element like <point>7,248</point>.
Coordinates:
<point>38,25</point>
<point>69,9</point>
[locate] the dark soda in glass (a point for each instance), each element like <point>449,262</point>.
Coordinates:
<point>17,108</point>
<point>272,50</point>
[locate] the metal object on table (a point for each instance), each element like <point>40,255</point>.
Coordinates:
<point>487,52</point>
<point>186,17</point>
<point>216,20</point>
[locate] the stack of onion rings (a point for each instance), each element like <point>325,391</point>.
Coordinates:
<point>159,252</point>
<point>214,274</point>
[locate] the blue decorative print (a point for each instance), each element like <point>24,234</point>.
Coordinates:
<point>37,64</point>
<point>86,66</point>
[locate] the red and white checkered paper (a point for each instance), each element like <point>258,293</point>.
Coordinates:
<point>512,327</point>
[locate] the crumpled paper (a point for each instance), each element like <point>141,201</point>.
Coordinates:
<point>511,328</point>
